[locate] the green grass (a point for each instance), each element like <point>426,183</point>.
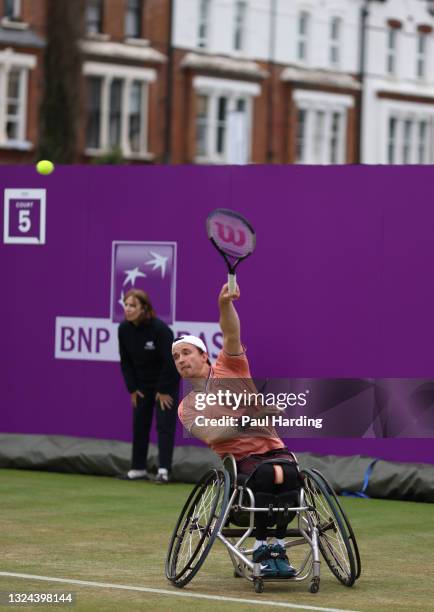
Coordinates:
<point>112,531</point>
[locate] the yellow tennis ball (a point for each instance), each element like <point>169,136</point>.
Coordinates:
<point>45,167</point>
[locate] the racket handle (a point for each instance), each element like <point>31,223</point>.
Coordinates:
<point>232,283</point>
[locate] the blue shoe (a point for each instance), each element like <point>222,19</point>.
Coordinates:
<point>278,555</point>
<point>268,565</point>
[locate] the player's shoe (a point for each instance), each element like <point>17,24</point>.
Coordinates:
<point>278,555</point>
<point>268,565</point>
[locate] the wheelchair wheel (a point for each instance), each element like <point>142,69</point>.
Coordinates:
<point>197,527</point>
<point>351,535</point>
<point>333,537</point>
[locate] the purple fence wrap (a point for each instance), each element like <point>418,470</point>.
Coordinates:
<point>338,287</point>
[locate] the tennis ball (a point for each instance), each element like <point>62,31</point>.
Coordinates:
<point>45,167</point>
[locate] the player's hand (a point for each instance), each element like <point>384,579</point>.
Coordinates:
<point>134,396</point>
<point>226,297</point>
<point>165,400</point>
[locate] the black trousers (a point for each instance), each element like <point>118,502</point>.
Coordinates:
<point>267,492</point>
<point>166,426</point>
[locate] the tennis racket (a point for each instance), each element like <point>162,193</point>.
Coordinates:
<point>233,237</point>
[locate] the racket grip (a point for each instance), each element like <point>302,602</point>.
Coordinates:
<point>232,283</point>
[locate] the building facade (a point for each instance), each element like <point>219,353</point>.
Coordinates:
<point>232,81</point>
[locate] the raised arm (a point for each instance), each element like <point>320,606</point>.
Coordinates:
<point>229,321</point>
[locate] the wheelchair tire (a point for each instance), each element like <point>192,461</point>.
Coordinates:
<point>334,542</point>
<point>351,535</point>
<point>197,527</point>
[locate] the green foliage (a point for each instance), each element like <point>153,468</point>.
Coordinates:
<point>111,157</point>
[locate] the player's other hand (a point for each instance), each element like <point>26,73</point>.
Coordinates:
<point>225,296</point>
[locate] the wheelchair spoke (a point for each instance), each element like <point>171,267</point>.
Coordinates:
<point>197,527</point>
<point>333,537</point>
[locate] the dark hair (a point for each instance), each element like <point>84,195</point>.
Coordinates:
<point>202,352</point>
<point>143,298</point>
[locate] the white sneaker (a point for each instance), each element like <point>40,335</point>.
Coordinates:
<point>137,474</point>
<point>162,477</point>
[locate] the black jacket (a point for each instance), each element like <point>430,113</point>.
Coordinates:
<point>146,356</point>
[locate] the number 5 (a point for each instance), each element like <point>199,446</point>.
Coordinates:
<point>24,223</point>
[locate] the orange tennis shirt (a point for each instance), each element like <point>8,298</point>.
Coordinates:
<point>256,440</point>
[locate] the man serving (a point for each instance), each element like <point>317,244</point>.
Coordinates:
<point>250,445</point>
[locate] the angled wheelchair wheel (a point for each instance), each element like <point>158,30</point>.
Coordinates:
<point>333,535</point>
<point>351,535</point>
<point>197,527</point>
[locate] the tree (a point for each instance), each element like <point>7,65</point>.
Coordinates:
<point>60,109</point>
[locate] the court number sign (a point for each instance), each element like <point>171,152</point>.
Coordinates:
<point>24,216</point>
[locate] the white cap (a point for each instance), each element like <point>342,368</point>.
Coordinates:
<point>191,340</point>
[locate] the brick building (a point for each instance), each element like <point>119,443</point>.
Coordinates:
<point>233,81</point>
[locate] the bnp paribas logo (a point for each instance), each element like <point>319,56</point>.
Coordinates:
<point>149,266</point>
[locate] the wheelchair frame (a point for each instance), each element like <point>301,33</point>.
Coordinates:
<point>321,524</point>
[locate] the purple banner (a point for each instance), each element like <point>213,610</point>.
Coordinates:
<point>339,286</point>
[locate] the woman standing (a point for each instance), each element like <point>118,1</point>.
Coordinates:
<point>150,376</point>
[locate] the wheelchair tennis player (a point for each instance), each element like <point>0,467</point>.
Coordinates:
<point>253,447</point>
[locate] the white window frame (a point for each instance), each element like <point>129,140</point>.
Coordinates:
<point>392,36</point>
<point>140,21</point>
<point>422,56</point>
<point>9,60</point>
<point>203,23</point>
<point>214,89</point>
<point>109,72</point>
<point>403,112</point>
<point>302,38</point>
<point>240,20</point>
<point>335,42</point>
<point>100,18</point>
<point>16,10</point>
<point>314,103</point>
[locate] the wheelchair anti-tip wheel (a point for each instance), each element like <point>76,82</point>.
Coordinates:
<point>197,527</point>
<point>337,542</point>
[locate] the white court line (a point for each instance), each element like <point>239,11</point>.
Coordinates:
<point>174,593</point>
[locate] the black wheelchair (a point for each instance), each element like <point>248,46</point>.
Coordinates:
<point>222,507</point>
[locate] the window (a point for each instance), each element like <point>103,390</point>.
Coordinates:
<point>409,139</point>
<point>94,16</point>
<point>392,36</point>
<point>115,113</point>
<point>318,136</point>
<point>135,115</point>
<point>202,126</point>
<point>422,40</point>
<point>94,88</point>
<point>14,75</point>
<point>302,35</point>
<point>133,19</point>
<point>204,20</point>
<point>117,101</point>
<point>391,148</point>
<point>222,128</point>
<point>321,127</point>
<point>300,145</point>
<point>240,24</point>
<point>12,9</point>
<point>335,136</point>
<point>335,39</point>
<point>422,145</point>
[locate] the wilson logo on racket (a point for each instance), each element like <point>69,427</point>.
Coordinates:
<point>233,237</point>
<point>228,234</point>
